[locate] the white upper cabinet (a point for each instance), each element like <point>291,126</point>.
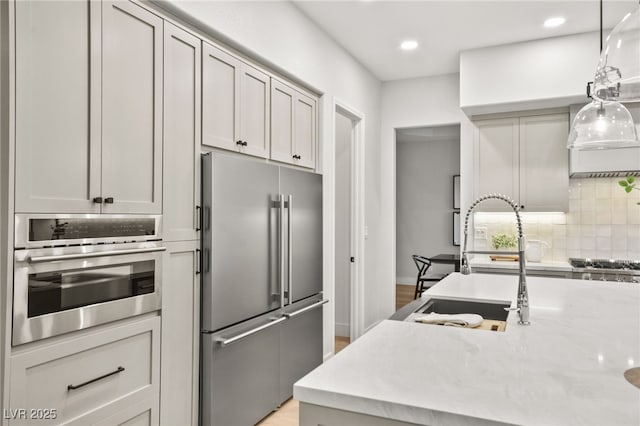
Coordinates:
<point>131,109</point>
<point>181,187</point>
<point>89,108</point>
<point>305,131</point>
<point>496,155</point>
<point>524,158</point>
<point>57,106</point>
<point>235,104</point>
<point>282,105</point>
<point>544,163</point>
<point>293,125</point>
<point>254,111</point>
<point>220,98</point>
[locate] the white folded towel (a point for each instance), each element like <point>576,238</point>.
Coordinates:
<point>456,320</point>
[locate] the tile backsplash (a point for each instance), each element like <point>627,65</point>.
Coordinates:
<point>603,222</point>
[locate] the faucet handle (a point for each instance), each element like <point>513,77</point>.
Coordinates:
<point>523,315</point>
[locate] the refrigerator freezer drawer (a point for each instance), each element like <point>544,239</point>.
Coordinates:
<point>240,380</point>
<point>300,347</point>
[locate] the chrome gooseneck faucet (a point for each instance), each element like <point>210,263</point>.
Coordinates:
<point>465,269</point>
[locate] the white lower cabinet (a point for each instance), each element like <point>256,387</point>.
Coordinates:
<point>180,334</point>
<point>141,414</point>
<point>111,374</point>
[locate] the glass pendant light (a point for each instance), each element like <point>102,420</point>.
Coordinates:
<point>605,123</point>
<point>618,73</point>
<point>602,125</point>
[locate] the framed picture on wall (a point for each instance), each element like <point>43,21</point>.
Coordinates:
<point>456,228</point>
<point>456,191</point>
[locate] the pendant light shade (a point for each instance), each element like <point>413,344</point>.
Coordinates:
<point>618,74</point>
<point>602,125</point>
<point>605,123</point>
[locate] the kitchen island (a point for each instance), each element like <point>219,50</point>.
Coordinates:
<point>566,368</point>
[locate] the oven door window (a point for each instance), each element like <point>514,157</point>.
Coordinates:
<point>58,291</point>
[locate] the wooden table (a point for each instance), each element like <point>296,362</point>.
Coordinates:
<point>450,259</point>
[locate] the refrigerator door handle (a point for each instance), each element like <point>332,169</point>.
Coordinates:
<point>282,266</point>
<point>207,218</point>
<point>226,342</point>
<point>206,257</point>
<point>306,309</point>
<point>289,251</point>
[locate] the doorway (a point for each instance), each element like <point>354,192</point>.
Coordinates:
<point>427,163</point>
<point>349,222</point>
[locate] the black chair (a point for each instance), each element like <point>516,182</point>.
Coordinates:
<point>424,280</point>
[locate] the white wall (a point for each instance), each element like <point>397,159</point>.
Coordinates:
<point>6,206</point>
<point>534,74</point>
<point>278,34</point>
<point>343,225</point>
<point>420,102</point>
<point>424,201</point>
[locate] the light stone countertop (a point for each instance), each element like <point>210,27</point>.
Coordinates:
<point>566,368</point>
<point>484,262</point>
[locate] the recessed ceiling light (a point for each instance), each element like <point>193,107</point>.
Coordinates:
<point>554,22</point>
<point>409,45</point>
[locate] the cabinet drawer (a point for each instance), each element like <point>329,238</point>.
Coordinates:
<point>141,414</point>
<point>78,377</point>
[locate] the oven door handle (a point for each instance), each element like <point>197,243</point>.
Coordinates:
<point>37,259</point>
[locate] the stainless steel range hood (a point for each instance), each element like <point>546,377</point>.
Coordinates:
<point>606,163</point>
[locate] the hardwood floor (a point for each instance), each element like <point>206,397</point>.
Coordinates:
<point>287,414</point>
<point>341,343</point>
<point>404,294</point>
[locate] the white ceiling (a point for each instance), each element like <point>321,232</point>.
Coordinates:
<point>372,30</point>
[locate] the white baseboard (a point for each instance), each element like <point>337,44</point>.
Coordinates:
<point>406,280</point>
<point>343,330</point>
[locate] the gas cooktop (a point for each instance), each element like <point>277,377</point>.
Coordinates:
<point>633,265</point>
<point>606,269</point>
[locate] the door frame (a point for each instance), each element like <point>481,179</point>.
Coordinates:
<point>357,219</point>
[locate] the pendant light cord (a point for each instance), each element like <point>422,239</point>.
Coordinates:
<point>600,26</point>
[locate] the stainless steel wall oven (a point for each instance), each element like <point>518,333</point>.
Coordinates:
<point>77,271</point>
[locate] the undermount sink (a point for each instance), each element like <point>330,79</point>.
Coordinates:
<point>487,309</point>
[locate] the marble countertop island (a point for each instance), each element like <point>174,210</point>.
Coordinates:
<point>566,368</point>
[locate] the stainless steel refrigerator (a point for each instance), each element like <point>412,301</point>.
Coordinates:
<point>261,316</point>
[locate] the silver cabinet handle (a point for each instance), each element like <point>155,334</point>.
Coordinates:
<point>289,251</point>
<point>53,258</point>
<point>226,342</point>
<point>306,309</point>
